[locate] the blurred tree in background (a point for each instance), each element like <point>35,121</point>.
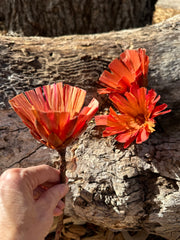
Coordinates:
<point>60,17</point>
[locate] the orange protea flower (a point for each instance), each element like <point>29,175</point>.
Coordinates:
<point>132,67</point>
<point>136,121</point>
<point>53,113</point>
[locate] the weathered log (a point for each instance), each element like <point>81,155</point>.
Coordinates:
<point>55,18</point>
<point>131,189</point>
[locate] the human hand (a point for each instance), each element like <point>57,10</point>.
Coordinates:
<point>29,198</point>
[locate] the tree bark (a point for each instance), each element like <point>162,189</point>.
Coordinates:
<point>131,189</point>
<point>59,17</point>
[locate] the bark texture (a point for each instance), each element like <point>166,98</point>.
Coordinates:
<point>59,17</point>
<point>131,189</point>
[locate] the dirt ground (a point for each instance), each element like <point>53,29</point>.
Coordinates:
<point>162,14</point>
<point>89,231</point>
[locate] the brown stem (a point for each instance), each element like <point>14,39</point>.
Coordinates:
<point>62,168</point>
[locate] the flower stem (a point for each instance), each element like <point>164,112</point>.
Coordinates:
<point>62,167</point>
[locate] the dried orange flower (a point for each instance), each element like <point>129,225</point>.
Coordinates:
<point>136,121</point>
<point>132,67</point>
<point>53,113</point>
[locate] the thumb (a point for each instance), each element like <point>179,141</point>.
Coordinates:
<point>51,197</point>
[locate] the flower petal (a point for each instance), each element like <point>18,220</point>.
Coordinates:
<point>120,69</point>
<point>101,120</point>
<point>123,137</point>
<point>132,66</point>
<point>158,110</point>
<point>85,116</point>
<point>129,141</point>
<point>54,141</point>
<point>142,136</point>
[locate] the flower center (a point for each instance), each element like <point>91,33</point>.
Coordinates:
<point>140,119</point>
<point>149,124</point>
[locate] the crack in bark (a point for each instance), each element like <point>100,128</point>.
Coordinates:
<point>18,129</point>
<point>27,156</point>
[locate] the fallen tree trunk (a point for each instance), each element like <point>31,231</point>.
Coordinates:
<point>131,189</point>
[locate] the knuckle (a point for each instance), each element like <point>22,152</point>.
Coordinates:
<point>10,176</point>
<point>46,166</point>
<point>27,179</point>
<point>24,174</point>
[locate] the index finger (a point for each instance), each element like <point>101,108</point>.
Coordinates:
<point>37,175</point>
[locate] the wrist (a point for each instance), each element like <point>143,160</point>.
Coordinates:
<point>7,232</point>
